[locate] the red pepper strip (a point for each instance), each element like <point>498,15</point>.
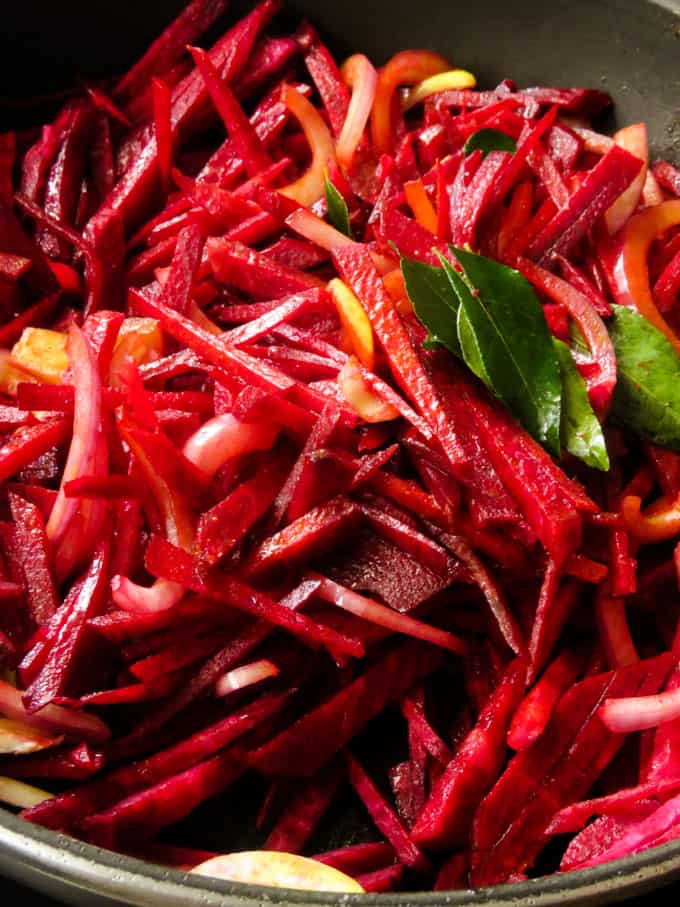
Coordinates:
<point>405,68</point>
<point>34,316</point>
<point>614,630</point>
<point>623,803</point>
<point>601,385</point>
<point>667,285</point>
<point>382,880</point>
<point>195,19</point>
<point>166,561</point>
<point>588,571</point>
<point>550,501</point>
<point>489,587</point>
<point>660,522</point>
<point>535,710</point>
<point>229,55</point>
<point>668,176</point>
<point>602,186</point>
<point>34,555</point>
<point>445,820</point>
<point>235,264</point>
<point>357,269</point>
<point>511,822</point>
<point>341,717</point>
<point>303,814</point>
<point>629,271</point>
<point>162,118</point>
<point>333,91</point>
<point>516,216</point>
<point>85,601</point>
<point>140,816</point>
<point>30,442</point>
<point>384,817</point>
<point>315,531</point>
<point>239,128</point>
<point>68,808</point>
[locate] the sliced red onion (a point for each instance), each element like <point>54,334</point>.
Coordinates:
<point>23,796</point>
<point>224,437</point>
<point>245,676</point>
<point>377,613</point>
<point>634,139</point>
<point>87,455</point>
<point>53,719</point>
<point>316,230</point>
<point>636,713</point>
<point>309,188</point>
<point>161,596</point>
<point>364,401</point>
<point>359,73</point>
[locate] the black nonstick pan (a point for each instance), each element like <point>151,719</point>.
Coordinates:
<point>630,48</point>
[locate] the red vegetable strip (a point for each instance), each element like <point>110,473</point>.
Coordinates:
<point>600,189</point>
<point>196,18</point>
<point>162,113</point>
<point>241,132</point>
<point>140,816</point>
<point>167,562</point>
<point>387,822</point>
<point>334,723</point>
<point>358,858</point>
<point>358,270</point>
<point>68,808</point>
<point>30,442</point>
<point>447,815</point>
<point>34,554</point>
<point>303,814</point>
<point>536,708</point>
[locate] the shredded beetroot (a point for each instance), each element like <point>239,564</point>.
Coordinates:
<point>258,520</point>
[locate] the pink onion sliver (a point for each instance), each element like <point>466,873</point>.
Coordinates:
<point>637,713</point>
<point>593,141</point>
<point>245,676</point>
<point>633,139</point>
<point>87,416</point>
<point>53,719</point>
<point>651,191</point>
<point>377,613</point>
<point>362,78</point>
<point>316,230</point>
<point>132,597</point>
<point>224,437</point>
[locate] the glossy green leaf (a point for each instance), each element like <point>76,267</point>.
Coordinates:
<point>486,140</point>
<point>515,345</point>
<point>647,395</point>
<point>338,212</point>
<point>581,431</point>
<point>434,302</point>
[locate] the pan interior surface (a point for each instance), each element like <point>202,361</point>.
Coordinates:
<point>629,48</point>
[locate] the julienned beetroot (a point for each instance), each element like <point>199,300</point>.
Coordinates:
<point>256,521</point>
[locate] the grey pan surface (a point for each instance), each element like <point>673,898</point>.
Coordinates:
<point>629,47</point>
